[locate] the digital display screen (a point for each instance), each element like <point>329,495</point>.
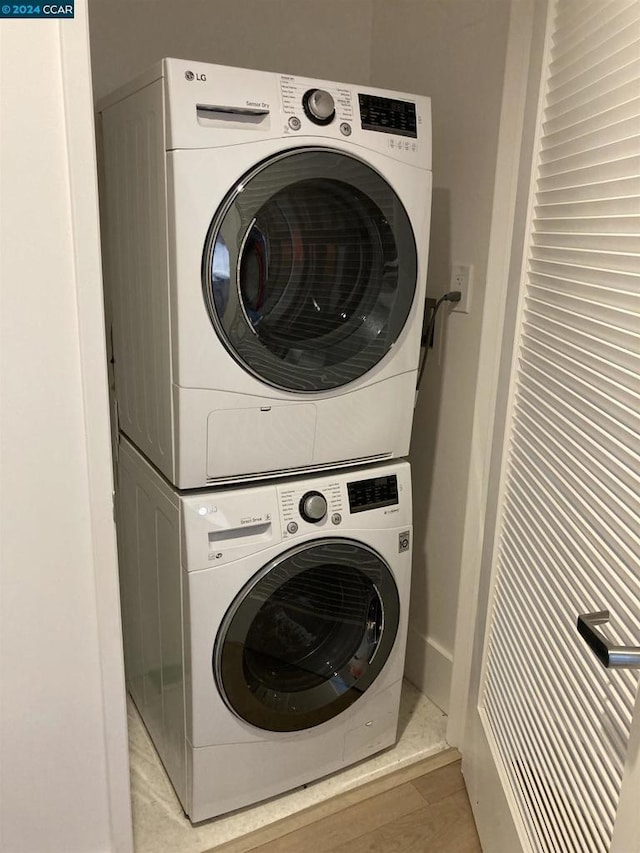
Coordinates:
<point>372,494</point>
<point>387,115</point>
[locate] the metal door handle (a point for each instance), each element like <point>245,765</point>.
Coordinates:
<point>610,656</point>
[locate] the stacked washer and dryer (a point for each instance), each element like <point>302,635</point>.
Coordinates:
<point>265,259</point>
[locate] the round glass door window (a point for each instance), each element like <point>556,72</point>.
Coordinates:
<point>309,270</point>
<point>307,636</point>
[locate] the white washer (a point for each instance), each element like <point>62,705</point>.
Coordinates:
<point>265,626</point>
<point>266,253</point>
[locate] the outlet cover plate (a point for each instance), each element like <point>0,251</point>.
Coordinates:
<point>461,279</point>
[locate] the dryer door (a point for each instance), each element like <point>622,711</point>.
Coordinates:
<point>307,636</point>
<point>309,270</point>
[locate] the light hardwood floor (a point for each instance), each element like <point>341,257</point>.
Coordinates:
<point>402,813</point>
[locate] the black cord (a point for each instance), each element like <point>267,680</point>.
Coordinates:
<point>452,296</point>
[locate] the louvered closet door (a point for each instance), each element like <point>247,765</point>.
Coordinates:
<point>557,723</point>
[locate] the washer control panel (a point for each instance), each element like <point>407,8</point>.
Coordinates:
<point>304,507</point>
<point>356,500</point>
<point>373,493</point>
<point>313,506</point>
<point>227,524</point>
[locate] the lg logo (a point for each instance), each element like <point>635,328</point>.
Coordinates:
<point>189,75</point>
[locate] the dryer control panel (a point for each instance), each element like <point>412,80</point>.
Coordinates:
<point>394,123</point>
<point>211,106</point>
<point>388,115</point>
<point>320,105</point>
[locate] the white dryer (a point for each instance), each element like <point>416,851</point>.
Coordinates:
<point>266,253</point>
<point>265,626</point>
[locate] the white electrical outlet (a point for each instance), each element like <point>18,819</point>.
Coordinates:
<point>461,277</point>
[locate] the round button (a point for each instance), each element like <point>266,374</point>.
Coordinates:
<point>319,106</point>
<point>345,129</point>
<point>313,507</point>
<point>294,123</point>
<point>336,518</point>
<point>292,527</point>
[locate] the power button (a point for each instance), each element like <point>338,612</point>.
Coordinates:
<point>404,541</point>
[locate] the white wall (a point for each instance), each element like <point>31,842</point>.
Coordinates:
<point>314,38</point>
<point>64,784</point>
<point>454,51</point>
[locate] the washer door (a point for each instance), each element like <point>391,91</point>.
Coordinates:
<point>309,270</point>
<point>307,636</point>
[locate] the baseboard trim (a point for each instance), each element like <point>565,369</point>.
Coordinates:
<point>429,667</point>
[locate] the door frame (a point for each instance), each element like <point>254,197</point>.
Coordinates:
<point>510,210</point>
<point>85,239</point>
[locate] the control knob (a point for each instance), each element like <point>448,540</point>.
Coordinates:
<point>319,106</point>
<point>313,506</point>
